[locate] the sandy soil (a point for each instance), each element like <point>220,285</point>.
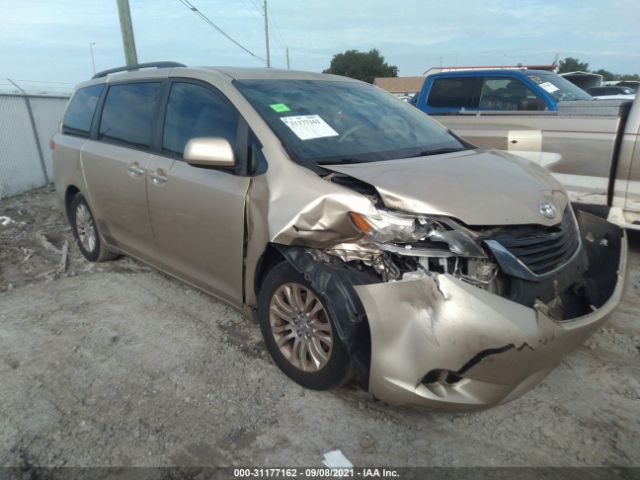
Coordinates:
<point>116,364</point>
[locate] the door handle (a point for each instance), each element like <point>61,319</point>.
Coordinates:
<point>135,170</point>
<point>158,178</point>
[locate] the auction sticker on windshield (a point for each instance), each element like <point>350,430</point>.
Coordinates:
<point>308,127</point>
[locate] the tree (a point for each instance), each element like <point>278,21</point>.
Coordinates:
<point>571,64</point>
<point>363,66</point>
<point>606,74</point>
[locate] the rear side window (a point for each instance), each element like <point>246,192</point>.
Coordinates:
<point>196,111</point>
<point>460,92</point>
<point>79,115</point>
<point>128,113</point>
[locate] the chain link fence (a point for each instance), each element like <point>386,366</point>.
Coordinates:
<point>27,122</point>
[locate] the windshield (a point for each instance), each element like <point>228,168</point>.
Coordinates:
<point>560,88</point>
<point>320,121</point>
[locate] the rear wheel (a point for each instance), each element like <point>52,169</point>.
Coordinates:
<point>86,231</point>
<point>299,332</point>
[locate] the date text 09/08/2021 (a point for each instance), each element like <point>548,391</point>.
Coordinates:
<point>315,473</point>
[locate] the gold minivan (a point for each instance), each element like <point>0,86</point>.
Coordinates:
<point>369,241</point>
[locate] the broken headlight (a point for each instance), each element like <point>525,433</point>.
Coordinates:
<point>392,227</point>
<point>416,235</point>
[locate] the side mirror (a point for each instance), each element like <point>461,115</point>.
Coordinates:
<point>209,152</point>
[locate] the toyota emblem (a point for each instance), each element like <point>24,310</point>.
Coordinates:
<point>548,209</point>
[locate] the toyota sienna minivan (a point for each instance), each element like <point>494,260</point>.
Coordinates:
<point>368,241</point>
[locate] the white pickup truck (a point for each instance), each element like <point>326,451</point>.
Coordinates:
<point>590,146</point>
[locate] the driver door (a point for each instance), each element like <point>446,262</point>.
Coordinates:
<point>197,214</point>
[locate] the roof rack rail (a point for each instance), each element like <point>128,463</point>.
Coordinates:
<point>138,66</point>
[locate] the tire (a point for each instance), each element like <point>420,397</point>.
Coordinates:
<point>306,367</point>
<point>86,232</point>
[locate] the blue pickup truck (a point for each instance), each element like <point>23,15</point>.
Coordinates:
<point>495,90</point>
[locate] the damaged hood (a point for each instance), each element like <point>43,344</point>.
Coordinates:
<point>477,187</point>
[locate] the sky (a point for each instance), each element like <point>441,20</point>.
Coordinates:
<point>46,42</point>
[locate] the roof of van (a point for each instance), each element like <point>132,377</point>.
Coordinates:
<point>234,73</point>
<point>222,73</point>
<point>240,73</point>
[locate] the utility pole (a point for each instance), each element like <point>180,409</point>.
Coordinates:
<point>266,33</point>
<point>93,61</point>
<point>128,42</point>
<point>288,64</point>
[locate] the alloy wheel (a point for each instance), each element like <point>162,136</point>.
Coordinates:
<point>300,327</point>
<point>85,228</point>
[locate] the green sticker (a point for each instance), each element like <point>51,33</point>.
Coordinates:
<point>280,107</point>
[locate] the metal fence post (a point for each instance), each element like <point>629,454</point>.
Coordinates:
<point>35,130</point>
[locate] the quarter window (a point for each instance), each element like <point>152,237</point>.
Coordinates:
<point>196,111</point>
<point>79,115</point>
<point>128,114</point>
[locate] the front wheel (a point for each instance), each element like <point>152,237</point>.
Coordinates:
<point>299,332</point>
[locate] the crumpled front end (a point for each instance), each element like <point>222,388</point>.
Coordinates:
<point>436,310</point>
<point>443,343</point>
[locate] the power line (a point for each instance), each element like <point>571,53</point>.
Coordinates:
<point>195,10</point>
<point>275,24</point>
<point>258,7</point>
<point>252,7</point>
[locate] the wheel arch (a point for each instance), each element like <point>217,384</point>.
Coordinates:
<point>333,278</point>
<point>269,259</point>
<point>70,192</point>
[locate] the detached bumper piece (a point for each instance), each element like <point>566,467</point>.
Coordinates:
<point>441,343</point>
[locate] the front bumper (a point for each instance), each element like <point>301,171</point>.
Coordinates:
<point>441,343</point>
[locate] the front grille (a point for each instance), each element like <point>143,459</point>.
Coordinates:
<point>542,249</point>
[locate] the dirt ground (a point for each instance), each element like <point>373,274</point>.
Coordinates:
<point>116,364</point>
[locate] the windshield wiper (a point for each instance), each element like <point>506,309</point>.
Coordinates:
<point>338,161</point>
<point>438,151</point>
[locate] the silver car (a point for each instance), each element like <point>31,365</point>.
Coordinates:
<point>369,241</point>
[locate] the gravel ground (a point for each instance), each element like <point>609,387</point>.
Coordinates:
<point>116,364</point>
